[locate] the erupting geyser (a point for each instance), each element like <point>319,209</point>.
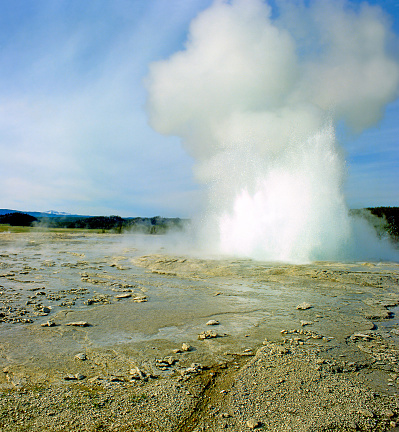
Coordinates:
<point>255,96</point>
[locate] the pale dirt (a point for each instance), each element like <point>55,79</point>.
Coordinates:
<point>330,367</point>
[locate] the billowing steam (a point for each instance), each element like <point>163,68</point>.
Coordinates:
<point>255,96</point>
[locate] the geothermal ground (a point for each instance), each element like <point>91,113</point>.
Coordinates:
<point>98,333</point>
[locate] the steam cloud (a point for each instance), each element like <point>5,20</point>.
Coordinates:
<point>255,97</point>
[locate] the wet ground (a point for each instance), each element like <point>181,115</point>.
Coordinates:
<point>127,311</point>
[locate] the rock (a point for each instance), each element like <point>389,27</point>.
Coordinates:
<point>116,379</point>
<point>137,374</point>
<point>377,314</point>
<point>170,360</point>
<point>79,376</point>
<point>212,322</point>
<point>253,424</point>
<point>395,332</point>
<point>93,379</point>
<point>41,310</point>
<point>70,377</point>
<point>194,368</point>
<point>98,298</point>
<point>48,324</point>
<point>81,356</point>
<point>186,347</point>
<point>140,299</point>
<point>305,323</point>
<point>304,306</point>
<point>78,324</point>
<point>362,336</point>
<point>207,335</point>
<point>279,350</point>
<point>124,295</point>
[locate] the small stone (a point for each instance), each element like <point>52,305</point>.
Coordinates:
<point>48,324</point>
<point>79,376</point>
<point>161,363</point>
<point>81,356</point>
<point>78,324</point>
<point>279,350</point>
<point>363,336</point>
<point>170,361</point>
<point>93,379</point>
<point>207,335</point>
<point>116,379</point>
<point>124,295</point>
<point>137,374</point>
<point>177,350</point>
<point>305,323</point>
<point>253,424</point>
<point>70,377</point>
<point>212,322</point>
<point>186,347</point>
<point>304,306</point>
<point>194,368</point>
<point>140,299</point>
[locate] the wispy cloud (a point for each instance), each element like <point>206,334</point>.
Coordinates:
<point>74,134</point>
<point>73,130</point>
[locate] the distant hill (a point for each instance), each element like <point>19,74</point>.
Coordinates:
<point>52,219</point>
<point>18,219</point>
<point>50,213</point>
<point>6,211</point>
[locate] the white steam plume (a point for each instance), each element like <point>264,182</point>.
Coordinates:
<point>255,99</point>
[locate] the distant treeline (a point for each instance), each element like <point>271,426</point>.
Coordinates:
<point>153,225</point>
<point>384,219</point>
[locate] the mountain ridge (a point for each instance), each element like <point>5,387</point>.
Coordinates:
<point>49,213</point>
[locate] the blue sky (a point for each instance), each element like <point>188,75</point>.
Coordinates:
<point>373,156</point>
<point>74,131</point>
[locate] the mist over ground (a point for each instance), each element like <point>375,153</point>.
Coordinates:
<point>256,97</point>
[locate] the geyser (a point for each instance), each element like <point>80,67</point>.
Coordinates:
<point>255,96</point>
